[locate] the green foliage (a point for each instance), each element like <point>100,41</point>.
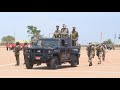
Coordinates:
<point>108,41</point>
<point>8,39</point>
<point>33,31</point>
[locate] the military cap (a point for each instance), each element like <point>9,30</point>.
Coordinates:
<point>63,24</point>
<point>57,26</point>
<point>74,27</point>
<point>25,43</point>
<point>17,43</point>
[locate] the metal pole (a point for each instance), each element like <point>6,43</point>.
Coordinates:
<point>14,36</point>
<point>114,40</point>
<point>101,38</point>
<point>49,35</point>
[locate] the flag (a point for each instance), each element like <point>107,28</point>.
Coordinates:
<point>115,36</point>
<point>101,34</point>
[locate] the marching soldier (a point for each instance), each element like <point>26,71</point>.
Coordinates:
<point>64,32</point>
<point>74,36</point>
<point>17,53</point>
<point>80,46</point>
<point>91,53</point>
<point>103,50</point>
<point>57,32</point>
<point>100,52</point>
<point>24,50</point>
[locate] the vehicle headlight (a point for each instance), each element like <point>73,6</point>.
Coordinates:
<point>49,51</point>
<point>28,51</point>
<point>55,50</point>
<point>75,49</point>
<point>38,51</point>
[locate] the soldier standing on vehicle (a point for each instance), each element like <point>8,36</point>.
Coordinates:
<point>91,53</point>
<point>57,32</point>
<point>24,50</point>
<point>74,36</point>
<point>17,53</point>
<point>64,32</point>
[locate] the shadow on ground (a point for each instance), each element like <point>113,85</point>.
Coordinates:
<point>48,68</point>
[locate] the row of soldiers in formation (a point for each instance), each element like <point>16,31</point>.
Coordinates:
<point>64,32</point>
<point>100,52</point>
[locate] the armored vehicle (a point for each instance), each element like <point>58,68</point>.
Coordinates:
<point>53,52</point>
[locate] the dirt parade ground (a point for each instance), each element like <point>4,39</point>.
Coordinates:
<point>110,68</point>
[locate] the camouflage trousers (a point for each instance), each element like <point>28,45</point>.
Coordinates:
<point>17,59</point>
<point>90,56</point>
<point>101,56</point>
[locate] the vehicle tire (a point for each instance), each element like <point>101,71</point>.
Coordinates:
<point>54,63</point>
<point>28,64</point>
<point>74,61</point>
<point>48,64</point>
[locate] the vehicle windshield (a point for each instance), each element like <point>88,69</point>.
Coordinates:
<point>48,43</point>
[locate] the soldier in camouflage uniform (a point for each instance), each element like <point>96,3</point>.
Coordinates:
<point>64,32</point>
<point>100,52</point>
<point>91,53</point>
<point>17,53</point>
<point>79,47</point>
<point>24,50</point>
<point>57,33</point>
<point>34,39</point>
<point>74,36</point>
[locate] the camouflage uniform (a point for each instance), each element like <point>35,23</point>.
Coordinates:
<point>100,52</point>
<point>34,39</point>
<point>79,47</point>
<point>91,53</point>
<point>24,50</point>
<point>57,33</point>
<point>74,36</point>
<point>64,32</point>
<point>17,53</point>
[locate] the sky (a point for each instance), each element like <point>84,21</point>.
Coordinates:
<point>88,24</point>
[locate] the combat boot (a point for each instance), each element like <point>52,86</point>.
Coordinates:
<point>103,59</point>
<point>99,62</point>
<point>90,64</point>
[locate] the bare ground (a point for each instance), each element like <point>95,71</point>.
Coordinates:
<point>110,68</point>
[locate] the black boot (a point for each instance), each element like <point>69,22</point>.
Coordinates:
<point>90,64</point>
<point>99,62</point>
<point>16,65</point>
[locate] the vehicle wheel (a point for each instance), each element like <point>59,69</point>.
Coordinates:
<point>48,64</point>
<point>54,63</point>
<point>28,64</point>
<point>74,61</point>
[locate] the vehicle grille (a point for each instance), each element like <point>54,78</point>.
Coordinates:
<point>38,51</point>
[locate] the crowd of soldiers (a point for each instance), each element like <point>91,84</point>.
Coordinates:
<point>100,52</point>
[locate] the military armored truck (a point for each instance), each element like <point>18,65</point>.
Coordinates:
<point>53,52</point>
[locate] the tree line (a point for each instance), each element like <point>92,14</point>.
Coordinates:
<point>31,30</point>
